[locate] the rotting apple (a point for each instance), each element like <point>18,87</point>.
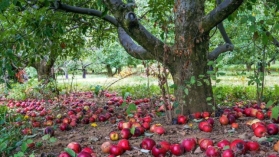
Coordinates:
<point>49,130</point>
<point>238,146</point>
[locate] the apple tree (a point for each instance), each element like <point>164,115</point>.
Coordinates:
<point>183,45</point>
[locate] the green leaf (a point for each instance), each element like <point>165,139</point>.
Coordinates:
<point>199,83</point>
<point>131,107</point>
<point>192,80</point>
<point>46,137</point>
<point>52,139</point>
<point>210,63</point>
<point>186,91</point>
<point>208,98</point>
<point>70,152</point>
<point>226,147</point>
<point>162,35</point>
<point>175,104</point>
<point>174,86</point>
<point>269,103</point>
<point>275,112</point>
<point>126,94</point>
<point>24,147</point>
<point>29,141</point>
<point>132,130</point>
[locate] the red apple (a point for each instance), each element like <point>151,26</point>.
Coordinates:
<point>221,144</point>
<point>224,120</point>
<point>205,143</point>
<point>158,151</point>
<point>260,131</point>
<point>84,154</point>
<point>74,146</point>
<point>189,144</point>
<point>203,123</point>
<point>207,128</point>
<point>260,115</point>
<point>159,130</point>
<point>147,143</point>
<point>177,149</point>
<point>124,144</point>
<point>165,144</point>
<point>205,114</point>
<point>212,151</point>
<point>197,115</point>
<point>146,125</point>
<point>253,146</point>
<point>272,129</point>
<point>116,150</point>
<point>228,153</point>
<point>181,119</point>
<point>64,154</point>
<point>125,133</point>
<point>64,127</point>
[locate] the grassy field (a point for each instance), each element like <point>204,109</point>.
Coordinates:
<point>103,80</point>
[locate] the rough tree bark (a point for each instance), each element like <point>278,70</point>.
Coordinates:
<point>187,58</point>
<point>44,68</point>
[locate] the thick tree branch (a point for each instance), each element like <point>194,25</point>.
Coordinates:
<point>221,12</point>
<point>131,47</point>
<point>86,11</point>
<point>223,48</point>
<point>220,49</point>
<point>224,33</point>
<point>129,22</point>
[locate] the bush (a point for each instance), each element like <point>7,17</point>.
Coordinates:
<point>32,89</point>
<point>227,93</point>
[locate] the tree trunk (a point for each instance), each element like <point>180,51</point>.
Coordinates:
<point>119,69</point>
<point>188,61</point>
<point>83,73</point>
<point>44,70</point>
<point>66,74</point>
<point>248,66</point>
<point>109,70</point>
<point>193,85</point>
